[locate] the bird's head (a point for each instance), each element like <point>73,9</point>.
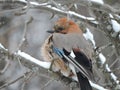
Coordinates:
<point>65,26</point>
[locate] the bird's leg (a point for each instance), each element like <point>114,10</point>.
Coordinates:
<point>52,62</point>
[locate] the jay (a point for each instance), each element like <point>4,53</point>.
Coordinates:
<point>69,52</point>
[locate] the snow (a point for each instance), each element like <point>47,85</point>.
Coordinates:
<point>98,87</point>
<point>75,5</point>
<point>81,16</point>
<point>112,74</point>
<point>118,16</point>
<point>71,12</point>
<point>62,11</point>
<point>98,1</point>
<point>115,24</point>
<point>2,46</point>
<point>23,1</point>
<point>95,22</point>
<point>89,36</point>
<point>34,3</point>
<point>36,61</point>
<point>102,58</point>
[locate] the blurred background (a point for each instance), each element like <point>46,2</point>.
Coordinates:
<point>13,24</point>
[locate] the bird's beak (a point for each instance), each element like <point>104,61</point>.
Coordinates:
<point>50,31</point>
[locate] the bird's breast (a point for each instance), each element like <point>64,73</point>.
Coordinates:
<point>48,55</point>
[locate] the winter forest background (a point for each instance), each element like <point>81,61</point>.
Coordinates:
<point>23,26</point>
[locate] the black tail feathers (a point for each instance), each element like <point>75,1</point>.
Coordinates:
<point>84,83</point>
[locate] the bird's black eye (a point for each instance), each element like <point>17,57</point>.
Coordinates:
<point>60,28</point>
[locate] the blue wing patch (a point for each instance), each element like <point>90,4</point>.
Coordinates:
<point>58,51</point>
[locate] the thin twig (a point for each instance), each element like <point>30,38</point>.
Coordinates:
<point>27,78</point>
<point>45,85</point>
<point>6,66</point>
<point>14,81</point>
<point>24,33</point>
<point>113,63</point>
<point>23,37</point>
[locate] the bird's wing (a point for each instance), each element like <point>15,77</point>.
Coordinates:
<point>71,42</point>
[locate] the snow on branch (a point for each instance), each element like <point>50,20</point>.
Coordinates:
<point>47,6</point>
<point>92,4</point>
<point>43,64</point>
<point>96,4</point>
<point>32,63</point>
<point>29,61</point>
<point>112,75</point>
<point>24,57</point>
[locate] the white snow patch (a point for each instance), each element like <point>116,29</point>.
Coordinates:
<point>23,1</point>
<point>117,15</point>
<point>119,36</point>
<point>37,4</point>
<point>2,46</point>
<point>89,36</point>
<point>115,24</point>
<point>102,58</point>
<point>34,3</point>
<point>75,5</point>
<point>98,1</point>
<point>81,16</point>
<point>36,61</point>
<point>98,87</point>
<point>112,74</point>
<point>54,8</point>
<point>95,22</point>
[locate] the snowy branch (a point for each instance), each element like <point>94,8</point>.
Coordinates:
<point>48,7</point>
<point>31,62</point>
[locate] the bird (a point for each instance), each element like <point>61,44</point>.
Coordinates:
<point>69,52</point>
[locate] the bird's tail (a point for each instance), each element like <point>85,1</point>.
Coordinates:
<point>84,83</point>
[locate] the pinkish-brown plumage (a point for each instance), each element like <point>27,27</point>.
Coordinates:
<point>68,37</point>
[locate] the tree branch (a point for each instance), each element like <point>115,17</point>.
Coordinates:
<point>31,63</point>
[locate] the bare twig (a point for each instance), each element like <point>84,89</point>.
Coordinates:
<point>115,61</point>
<point>6,65</point>
<point>14,81</point>
<point>24,33</point>
<point>27,78</point>
<point>42,88</point>
<point>23,7</point>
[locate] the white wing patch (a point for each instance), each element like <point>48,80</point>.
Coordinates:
<point>72,54</point>
<point>73,68</point>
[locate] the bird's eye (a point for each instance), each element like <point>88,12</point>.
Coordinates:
<point>60,28</point>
